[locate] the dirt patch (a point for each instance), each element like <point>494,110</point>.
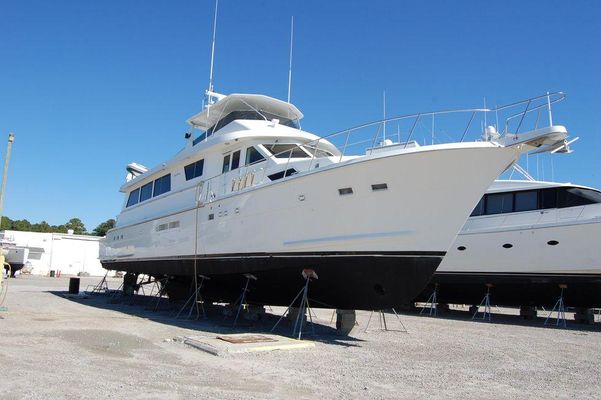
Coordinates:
<point>104,342</point>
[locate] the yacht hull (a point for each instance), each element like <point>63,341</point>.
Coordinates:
<point>347,281</point>
<point>516,289</point>
<point>333,220</point>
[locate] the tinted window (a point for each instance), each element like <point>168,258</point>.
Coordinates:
<point>162,185</point>
<point>526,201</point>
<point>285,150</point>
<point>548,198</point>
<point>479,210</point>
<point>226,163</point>
<point>252,115</point>
<point>194,170</point>
<point>499,203</point>
<point>572,197</point>
<point>253,155</point>
<point>146,192</point>
<point>315,152</point>
<point>235,159</point>
<point>280,175</point>
<point>133,197</point>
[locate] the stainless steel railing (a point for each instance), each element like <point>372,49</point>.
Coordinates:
<point>359,139</point>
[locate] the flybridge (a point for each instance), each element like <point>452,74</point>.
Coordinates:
<point>246,106</point>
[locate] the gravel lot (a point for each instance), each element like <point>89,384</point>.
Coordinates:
<point>55,347</point>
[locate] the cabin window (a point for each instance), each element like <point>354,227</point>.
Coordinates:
<point>235,160</point>
<point>280,175</point>
<point>573,197</point>
<point>479,210</point>
<point>499,203</point>
<point>253,156</point>
<point>548,198</point>
<point>226,164</point>
<point>194,170</point>
<point>146,192</point>
<point>251,115</point>
<point>526,201</point>
<point>316,152</point>
<point>133,198</point>
<point>162,185</point>
<point>286,150</point>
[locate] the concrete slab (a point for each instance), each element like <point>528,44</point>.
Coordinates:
<point>224,345</point>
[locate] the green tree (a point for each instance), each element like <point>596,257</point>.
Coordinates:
<point>21,225</point>
<point>101,229</point>
<point>41,227</point>
<point>77,226</point>
<point>6,223</point>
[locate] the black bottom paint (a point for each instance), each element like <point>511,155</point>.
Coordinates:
<point>365,281</point>
<point>516,289</point>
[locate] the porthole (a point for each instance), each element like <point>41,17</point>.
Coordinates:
<point>552,242</point>
<point>211,217</point>
<point>461,248</point>
<point>345,191</point>
<point>507,246</point>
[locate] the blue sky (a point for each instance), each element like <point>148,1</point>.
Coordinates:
<point>89,86</point>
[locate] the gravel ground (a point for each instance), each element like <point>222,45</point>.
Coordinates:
<point>54,347</point>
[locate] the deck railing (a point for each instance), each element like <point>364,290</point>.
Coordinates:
<point>411,128</point>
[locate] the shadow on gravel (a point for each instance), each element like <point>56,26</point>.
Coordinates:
<point>165,312</point>
<point>509,319</point>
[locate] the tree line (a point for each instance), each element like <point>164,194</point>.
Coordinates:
<point>74,223</point>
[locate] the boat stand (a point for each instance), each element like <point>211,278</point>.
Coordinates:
<point>100,287</point>
<point>486,303</point>
<point>383,325</point>
<point>304,307</point>
<point>241,302</point>
<point>560,308</point>
<point>432,303</point>
<point>195,299</point>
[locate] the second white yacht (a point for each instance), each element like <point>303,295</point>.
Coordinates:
<point>525,239</point>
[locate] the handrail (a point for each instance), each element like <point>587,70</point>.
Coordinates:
<point>532,104</point>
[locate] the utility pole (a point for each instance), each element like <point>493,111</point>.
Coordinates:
<point>11,139</point>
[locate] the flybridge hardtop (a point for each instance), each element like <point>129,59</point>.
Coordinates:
<point>254,104</point>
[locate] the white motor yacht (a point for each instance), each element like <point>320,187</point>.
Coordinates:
<point>525,239</point>
<point>253,193</point>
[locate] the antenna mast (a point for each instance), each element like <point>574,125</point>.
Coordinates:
<point>290,59</point>
<point>384,106</point>
<point>213,51</point>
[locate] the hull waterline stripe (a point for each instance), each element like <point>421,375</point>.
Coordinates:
<point>350,237</point>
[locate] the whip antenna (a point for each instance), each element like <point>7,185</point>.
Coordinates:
<point>213,50</point>
<point>290,60</point>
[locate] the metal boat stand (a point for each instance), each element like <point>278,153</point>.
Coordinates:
<point>100,287</point>
<point>303,308</point>
<point>486,314</point>
<point>159,285</point>
<point>432,303</point>
<point>383,325</point>
<point>560,308</point>
<point>241,302</point>
<point>195,299</point>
